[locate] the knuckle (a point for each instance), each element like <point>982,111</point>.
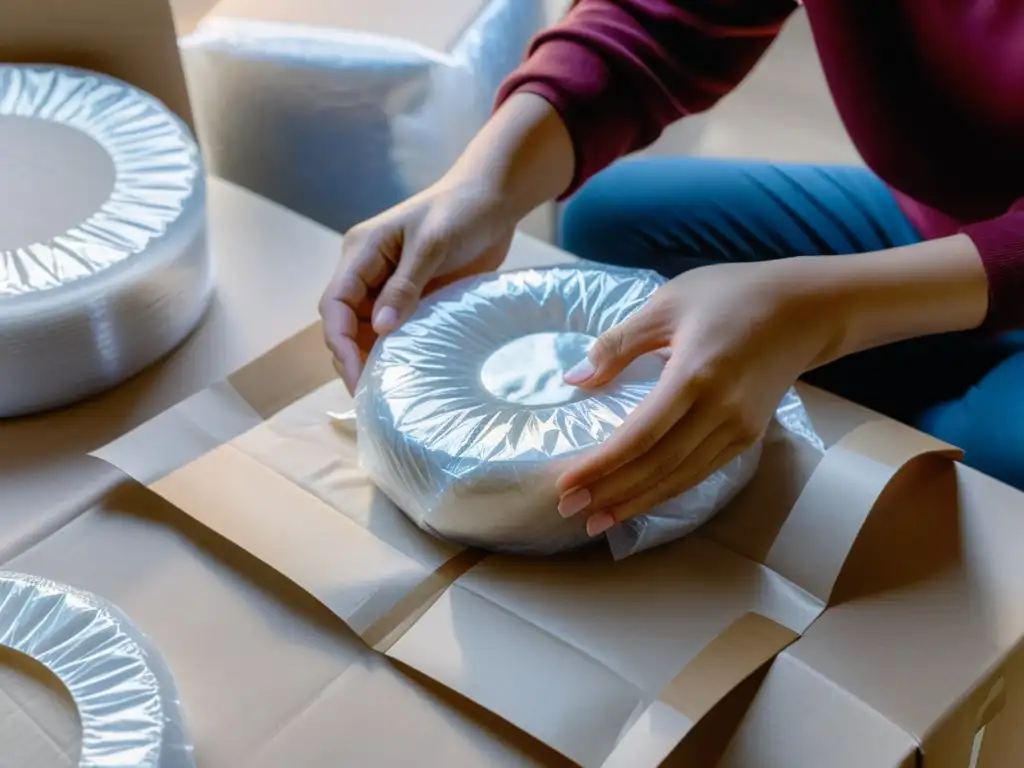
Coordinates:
<point>401,287</point>
<point>750,433</point>
<point>704,379</point>
<point>669,460</point>
<point>355,238</point>
<point>349,284</point>
<point>433,249</point>
<point>610,344</point>
<point>744,428</point>
<point>641,443</point>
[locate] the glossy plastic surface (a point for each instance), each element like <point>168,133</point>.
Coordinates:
<point>126,698</point>
<point>103,259</point>
<point>465,422</point>
<point>339,124</point>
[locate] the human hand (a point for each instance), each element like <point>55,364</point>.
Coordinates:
<point>736,337</point>
<point>451,230</point>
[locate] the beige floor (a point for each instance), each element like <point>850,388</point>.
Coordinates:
<point>782,111</point>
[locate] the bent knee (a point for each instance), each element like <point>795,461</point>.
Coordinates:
<point>597,223</point>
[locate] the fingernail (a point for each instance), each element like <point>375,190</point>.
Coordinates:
<point>599,523</point>
<point>580,372</point>
<point>574,503</point>
<point>386,320</point>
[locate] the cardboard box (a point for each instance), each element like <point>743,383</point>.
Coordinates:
<point>609,664</point>
<point>918,651</point>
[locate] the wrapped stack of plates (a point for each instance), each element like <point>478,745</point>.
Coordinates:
<point>465,422</point>
<point>104,266</point>
<point>126,698</point>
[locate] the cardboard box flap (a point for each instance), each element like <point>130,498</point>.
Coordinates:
<point>356,575</point>
<point>133,41</point>
<point>597,642</point>
<point>821,530</point>
<point>800,719</point>
<point>749,643</point>
<point>931,627</point>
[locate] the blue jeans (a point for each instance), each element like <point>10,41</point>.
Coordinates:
<point>674,214</point>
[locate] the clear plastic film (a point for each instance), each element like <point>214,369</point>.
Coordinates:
<point>465,422</point>
<point>338,124</point>
<point>126,698</point>
<point>103,260</point>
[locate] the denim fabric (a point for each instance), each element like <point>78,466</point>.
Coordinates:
<point>675,214</point>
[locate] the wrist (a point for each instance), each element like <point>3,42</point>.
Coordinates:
<point>478,194</point>
<point>521,159</point>
<point>871,299</point>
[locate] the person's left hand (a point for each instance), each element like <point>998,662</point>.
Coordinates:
<point>736,337</point>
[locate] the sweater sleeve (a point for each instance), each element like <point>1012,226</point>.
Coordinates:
<point>1000,242</point>
<point>619,71</point>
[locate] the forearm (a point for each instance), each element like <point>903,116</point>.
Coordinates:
<point>877,298</point>
<point>523,156</point>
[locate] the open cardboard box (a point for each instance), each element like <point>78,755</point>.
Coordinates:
<point>584,660</point>
<point>895,565</point>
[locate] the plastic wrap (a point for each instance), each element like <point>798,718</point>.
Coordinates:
<point>103,259</point>
<point>464,420</point>
<point>340,125</point>
<point>126,698</point>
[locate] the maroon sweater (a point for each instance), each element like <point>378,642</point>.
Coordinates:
<point>930,91</point>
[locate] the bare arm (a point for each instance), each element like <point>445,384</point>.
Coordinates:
<point>522,157</point>
<point>877,298</point>
<point>738,336</point>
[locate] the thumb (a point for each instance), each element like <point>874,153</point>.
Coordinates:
<point>615,349</point>
<point>402,291</point>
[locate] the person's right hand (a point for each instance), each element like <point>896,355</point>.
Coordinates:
<point>450,230</point>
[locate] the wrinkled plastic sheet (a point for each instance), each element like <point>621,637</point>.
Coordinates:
<point>340,125</point>
<point>126,698</point>
<point>464,421</point>
<point>103,260</point>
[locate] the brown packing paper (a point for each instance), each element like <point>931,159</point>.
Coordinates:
<point>268,677</point>
<point>133,40</point>
<point>389,628</point>
<point>355,574</point>
<point>368,564</point>
<point>810,549</point>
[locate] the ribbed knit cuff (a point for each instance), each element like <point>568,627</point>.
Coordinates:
<point>1000,242</point>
